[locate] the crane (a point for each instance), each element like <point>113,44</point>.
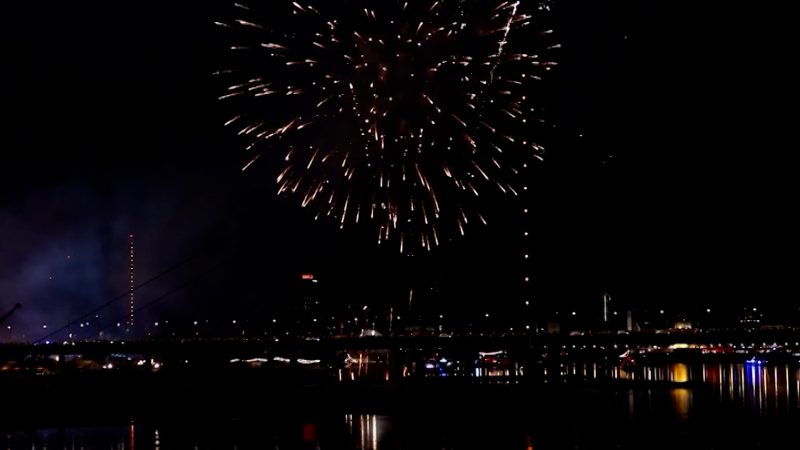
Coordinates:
<point>8,314</point>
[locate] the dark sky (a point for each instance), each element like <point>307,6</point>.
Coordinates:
<point>660,186</point>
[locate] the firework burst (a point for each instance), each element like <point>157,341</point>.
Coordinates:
<point>396,113</point>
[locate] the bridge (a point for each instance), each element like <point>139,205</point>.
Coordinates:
<point>519,345</point>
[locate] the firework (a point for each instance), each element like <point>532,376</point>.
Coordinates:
<point>404,115</point>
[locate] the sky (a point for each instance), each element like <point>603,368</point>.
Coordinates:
<point>659,184</point>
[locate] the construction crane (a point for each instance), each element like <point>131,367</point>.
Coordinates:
<point>8,314</point>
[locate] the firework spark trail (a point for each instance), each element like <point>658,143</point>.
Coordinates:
<point>504,41</point>
<point>409,111</point>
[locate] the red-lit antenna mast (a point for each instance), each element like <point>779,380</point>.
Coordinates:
<point>131,304</point>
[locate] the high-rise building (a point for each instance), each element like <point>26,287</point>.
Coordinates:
<point>309,293</point>
<point>309,315</point>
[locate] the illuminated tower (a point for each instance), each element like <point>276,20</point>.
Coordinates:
<point>525,258</point>
<point>131,304</point>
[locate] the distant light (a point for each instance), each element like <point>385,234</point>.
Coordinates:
<point>44,326</point>
<point>307,276</point>
<point>156,324</point>
<point>256,360</point>
<point>487,315</point>
<point>307,361</point>
<point>233,321</point>
<point>662,311</point>
<point>574,313</point>
<point>195,323</point>
<point>708,310</point>
<point>527,303</point>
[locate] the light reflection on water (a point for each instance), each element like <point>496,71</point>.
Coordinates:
<point>681,402</point>
<point>763,389</point>
<point>674,394</point>
<point>580,427</point>
<point>368,428</point>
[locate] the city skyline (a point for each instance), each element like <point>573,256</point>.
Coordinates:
<point>644,193</point>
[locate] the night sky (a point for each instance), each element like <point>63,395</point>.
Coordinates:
<point>661,185</point>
